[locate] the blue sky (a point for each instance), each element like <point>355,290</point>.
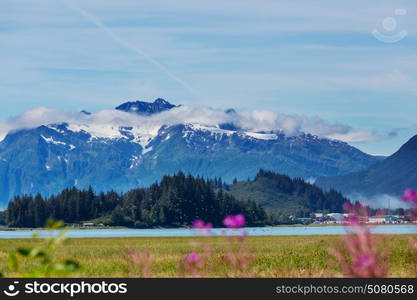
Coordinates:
<point>310,58</point>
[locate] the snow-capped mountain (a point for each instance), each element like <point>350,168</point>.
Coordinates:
<point>110,156</point>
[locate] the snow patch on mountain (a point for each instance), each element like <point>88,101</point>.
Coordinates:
<point>135,160</point>
<point>97,131</point>
<point>52,141</point>
<point>142,135</point>
<point>56,128</point>
<point>212,129</point>
<point>216,130</point>
<point>146,150</point>
<point>262,136</point>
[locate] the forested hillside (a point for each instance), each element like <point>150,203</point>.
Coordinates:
<point>284,196</point>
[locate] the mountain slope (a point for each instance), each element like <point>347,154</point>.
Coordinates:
<point>390,176</point>
<point>49,158</point>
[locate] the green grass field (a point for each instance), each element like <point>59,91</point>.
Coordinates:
<point>293,256</point>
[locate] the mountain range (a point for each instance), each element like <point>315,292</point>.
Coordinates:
<point>390,176</point>
<point>48,158</point>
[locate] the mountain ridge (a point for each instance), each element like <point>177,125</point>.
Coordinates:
<point>391,176</point>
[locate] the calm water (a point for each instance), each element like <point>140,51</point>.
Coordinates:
<point>183,232</point>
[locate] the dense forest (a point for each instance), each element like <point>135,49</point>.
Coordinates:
<point>176,201</point>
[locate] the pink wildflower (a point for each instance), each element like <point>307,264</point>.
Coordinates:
<point>353,220</point>
<point>234,222</point>
<point>410,196</point>
<point>347,206</point>
<point>192,264</point>
<point>199,224</point>
<point>193,258</point>
<point>365,261</point>
<point>358,253</point>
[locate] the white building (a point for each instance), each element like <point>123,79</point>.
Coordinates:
<point>336,216</point>
<point>376,220</point>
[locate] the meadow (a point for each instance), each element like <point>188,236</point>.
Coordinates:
<point>267,256</point>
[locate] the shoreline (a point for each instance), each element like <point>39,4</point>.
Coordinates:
<point>189,232</point>
<point>7,229</point>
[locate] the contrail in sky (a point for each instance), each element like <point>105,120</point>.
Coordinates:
<point>91,18</point>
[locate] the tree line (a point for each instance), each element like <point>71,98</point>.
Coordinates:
<point>176,201</point>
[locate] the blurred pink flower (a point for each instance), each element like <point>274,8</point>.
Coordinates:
<point>192,264</point>
<point>199,224</point>
<point>410,196</point>
<point>358,254</point>
<point>193,258</point>
<point>234,222</point>
<point>365,261</point>
<point>353,220</point>
<point>347,206</point>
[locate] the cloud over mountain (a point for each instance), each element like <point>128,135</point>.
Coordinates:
<point>247,120</point>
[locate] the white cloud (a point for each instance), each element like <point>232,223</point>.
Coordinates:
<point>382,201</point>
<point>249,120</point>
